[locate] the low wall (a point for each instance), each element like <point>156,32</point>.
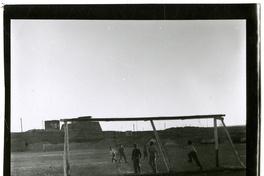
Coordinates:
<point>18,145</point>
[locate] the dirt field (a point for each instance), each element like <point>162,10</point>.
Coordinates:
<point>97,162</point>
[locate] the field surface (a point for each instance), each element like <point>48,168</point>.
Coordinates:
<point>97,161</point>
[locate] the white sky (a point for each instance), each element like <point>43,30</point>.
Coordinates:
<point>108,68</point>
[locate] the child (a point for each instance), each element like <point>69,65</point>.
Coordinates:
<point>136,155</point>
<point>153,154</point>
<point>121,151</point>
<point>113,154</point>
<point>145,150</point>
<point>192,154</point>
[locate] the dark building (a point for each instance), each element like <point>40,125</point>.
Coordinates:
<point>88,126</point>
<point>52,125</point>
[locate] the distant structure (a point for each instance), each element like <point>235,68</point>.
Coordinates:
<point>52,125</point>
<point>89,126</point>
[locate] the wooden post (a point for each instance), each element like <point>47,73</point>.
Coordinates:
<point>21,125</point>
<point>216,143</point>
<point>159,144</point>
<point>66,164</point>
<point>231,143</point>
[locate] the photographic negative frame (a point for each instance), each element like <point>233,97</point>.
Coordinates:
<point>150,12</point>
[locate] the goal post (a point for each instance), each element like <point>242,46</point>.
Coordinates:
<point>215,117</point>
<point>216,143</point>
<point>66,164</point>
<point>232,145</point>
<point>160,146</point>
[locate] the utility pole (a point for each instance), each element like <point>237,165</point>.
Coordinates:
<point>21,125</point>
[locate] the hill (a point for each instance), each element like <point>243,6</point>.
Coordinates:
<point>48,140</point>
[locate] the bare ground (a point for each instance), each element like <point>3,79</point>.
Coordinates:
<point>96,162</point>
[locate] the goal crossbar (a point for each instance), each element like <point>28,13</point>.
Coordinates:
<point>88,118</point>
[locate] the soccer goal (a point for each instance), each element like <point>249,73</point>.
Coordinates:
<point>163,154</point>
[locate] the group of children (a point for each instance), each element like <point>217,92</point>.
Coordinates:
<point>150,154</point>
<point>121,152</point>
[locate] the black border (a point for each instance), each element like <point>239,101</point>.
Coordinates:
<point>150,12</point>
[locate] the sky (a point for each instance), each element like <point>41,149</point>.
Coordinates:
<point>127,68</point>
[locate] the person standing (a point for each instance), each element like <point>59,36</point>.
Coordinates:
<point>145,151</point>
<point>121,151</point>
<point>113,154</point>
<point>153,155</point>
<point>192,153</point>
<point>136,155</point>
